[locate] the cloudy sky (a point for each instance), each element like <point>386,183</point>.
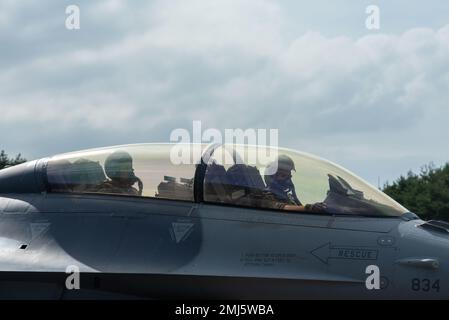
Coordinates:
<point>374,101</point>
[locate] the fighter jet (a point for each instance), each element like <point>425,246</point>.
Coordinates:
<point>154,221</point>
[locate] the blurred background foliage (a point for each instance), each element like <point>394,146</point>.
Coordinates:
<point>425,193</point>
<point>5,161</point>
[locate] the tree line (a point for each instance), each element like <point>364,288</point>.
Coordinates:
<point>425,193</point>
<point>6,161</point>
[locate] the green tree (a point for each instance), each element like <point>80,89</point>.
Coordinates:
<point>5,161</point>
<point>426,193</point>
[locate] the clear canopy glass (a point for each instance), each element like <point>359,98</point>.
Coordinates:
<point>134,170</point>
<point>244,175</point>
<point>251,176</point>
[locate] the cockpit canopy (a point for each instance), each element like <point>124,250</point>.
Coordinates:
<point>134,170</point>
<point>249,176</point>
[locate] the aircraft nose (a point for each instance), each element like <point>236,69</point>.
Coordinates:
<point>426,245</point>
<point>441,227</point>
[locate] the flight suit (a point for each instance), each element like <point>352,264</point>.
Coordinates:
<point>111,187</point>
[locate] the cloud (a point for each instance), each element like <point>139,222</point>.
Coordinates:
<point>134,72</point>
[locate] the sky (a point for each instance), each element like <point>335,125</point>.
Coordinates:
<point>373,101</point>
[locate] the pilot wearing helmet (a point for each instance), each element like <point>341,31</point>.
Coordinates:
<point>280,192</point>
<point>119,169</point>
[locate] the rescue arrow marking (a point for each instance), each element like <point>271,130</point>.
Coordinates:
<point>327,251</point>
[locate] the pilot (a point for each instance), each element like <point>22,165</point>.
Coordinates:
<point>119,169</point>
<point>280,189</point>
